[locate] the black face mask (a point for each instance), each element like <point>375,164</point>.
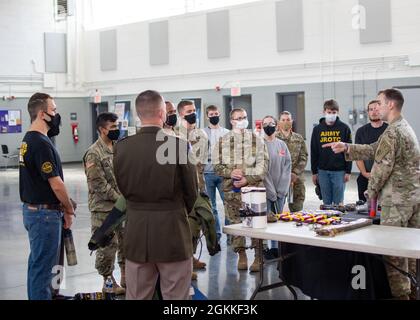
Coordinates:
<point>54,125</point>
<point>113,135</point>
<point>269,130</point>
<point>171,120</point>
<point>191,118</point>
<point>214,120</point>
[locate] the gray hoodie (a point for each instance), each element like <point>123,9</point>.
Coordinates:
<point>277,180</point>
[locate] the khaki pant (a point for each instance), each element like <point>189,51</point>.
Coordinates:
<point>105,257</point>
<point>400,216</point>
<point>175,280</point>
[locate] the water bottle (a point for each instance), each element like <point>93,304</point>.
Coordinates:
<point>373,205</point>
<point>234,189</point>
<point>70,249</point>
<point>109,289</point>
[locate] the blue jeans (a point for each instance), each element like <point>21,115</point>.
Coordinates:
<point>332,186</point>
<point>271,208</point>
<point>44,231</point>
<point>214,182</point>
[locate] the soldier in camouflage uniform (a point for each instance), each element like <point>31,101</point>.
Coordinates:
<point>198,142</point>
<point>395,179</point>
<point>299,154</point>
<point>242,160</point>
<point>103,193</point>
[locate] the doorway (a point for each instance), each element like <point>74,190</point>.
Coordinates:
<point>294,103</point>
<point>410,109</point>
<point>97,109</point>
<point>230,103</point>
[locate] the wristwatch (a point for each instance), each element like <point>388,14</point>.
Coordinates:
<point>346,147</point>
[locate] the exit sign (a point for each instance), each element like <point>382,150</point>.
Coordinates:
<point>235,90</point>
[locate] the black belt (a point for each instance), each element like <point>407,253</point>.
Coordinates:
<point>44,206</point>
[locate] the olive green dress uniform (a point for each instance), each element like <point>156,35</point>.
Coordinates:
<point>395,178</point>
<point>159,197</point>
<point>103,193</point>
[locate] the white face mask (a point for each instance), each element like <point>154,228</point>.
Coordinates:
<point>243,124</point>
<point>330,118</point>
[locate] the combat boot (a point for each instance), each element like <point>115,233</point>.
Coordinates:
<point>242,260</point>
<point>255,267</point>
<point>122,282</point>
<point>198,265</point>
<point>117,289</point>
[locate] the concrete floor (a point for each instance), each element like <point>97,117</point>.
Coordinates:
<point>220,280</point>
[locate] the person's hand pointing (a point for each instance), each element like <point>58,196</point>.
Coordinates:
<point>337,147</point>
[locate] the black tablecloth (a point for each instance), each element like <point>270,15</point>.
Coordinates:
<point>323,273</point>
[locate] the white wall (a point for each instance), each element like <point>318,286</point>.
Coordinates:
<point>22,27</point>
<point>328,38</point>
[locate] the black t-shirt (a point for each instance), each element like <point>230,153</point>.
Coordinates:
<point>38,161</point>
<point>367,135</point>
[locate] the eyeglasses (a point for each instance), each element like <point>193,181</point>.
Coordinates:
<point>240,119</point>
<point>270,124</point>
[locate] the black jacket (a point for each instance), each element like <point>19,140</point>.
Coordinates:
<point>325,158</point>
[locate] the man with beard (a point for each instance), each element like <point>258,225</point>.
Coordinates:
<point>46,202</point>
<point>368,134</point>
<point>395,179</point>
